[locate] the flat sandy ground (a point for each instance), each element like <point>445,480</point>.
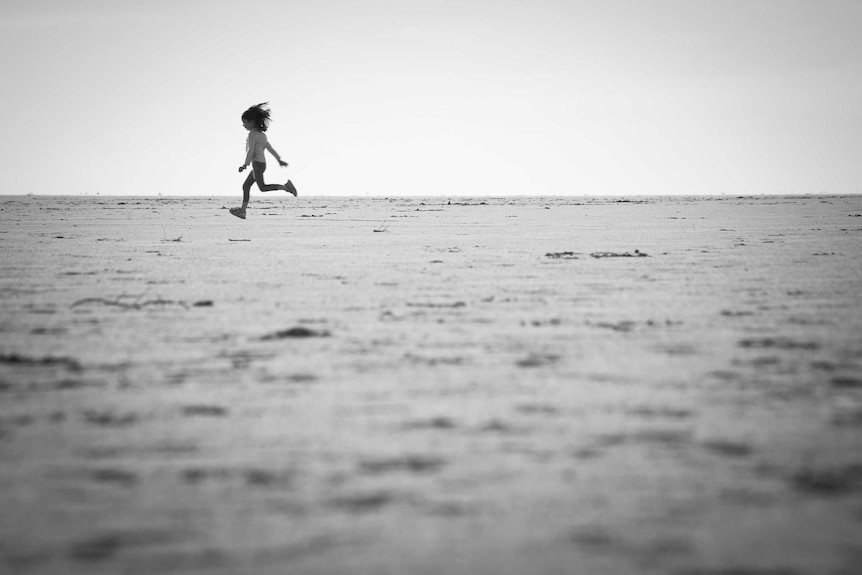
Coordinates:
<point>406,386</point>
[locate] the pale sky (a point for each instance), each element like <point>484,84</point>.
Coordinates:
<point>434,97</point>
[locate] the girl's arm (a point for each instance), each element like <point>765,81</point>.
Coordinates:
<point>249,154</point>
<point>275,154</point>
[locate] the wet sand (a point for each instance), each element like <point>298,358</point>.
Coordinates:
<point>431,386</point>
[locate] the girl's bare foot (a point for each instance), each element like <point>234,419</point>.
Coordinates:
<point>290,188</point>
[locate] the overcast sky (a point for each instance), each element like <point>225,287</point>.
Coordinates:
<point>471,97</point>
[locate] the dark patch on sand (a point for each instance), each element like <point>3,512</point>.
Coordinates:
<point>298,332</point>
<point>621,326</point>
<point>25,361</point>
<point>680,349</point>
<point>763,362</point>
<point>728,448</point>
<point>828,481</point>
<point>195,475</point>
<point>302,378</point>
<point>132,305</point>
<point>498,427</point>
<point>204,411</point>
<point>553,322</point>
<point>821,365</point>
<point>413,464</point>
<point>725,375</point>
<point>595,538</point>
<point>537,409</point>
<point>778,343</point>
<point>361,503</point>
<point>586,453</point>
<point>731,313</point>
<point>846,382</point>
<point>848,417</point>
<point>609,440</point>
<point>453,305</point>
<point>562,255</point>
<point>626,326</point>
<point>537,360</point>
<point>105,546</point>
<point>109,418</point>
<point>747,497</point>
<point>670,437</point>
<point>660,412</point>
<point>69,384</point>
<point>104,452</point>
<point>98,548</point>
<point>450,508</point>
<point>433,361</point>
<point>259,477</point>
<point>115,476</point>
<point>241,359</point>
<point>251,476</point>
<point>440,423</point>
<point>22,420</point>
<point>48,330</point>
<point>636,254</point>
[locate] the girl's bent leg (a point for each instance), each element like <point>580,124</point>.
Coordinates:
<point>259,168</point>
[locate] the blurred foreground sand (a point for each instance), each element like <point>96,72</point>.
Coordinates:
<point>487,386</point>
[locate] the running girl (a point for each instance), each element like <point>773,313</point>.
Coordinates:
<point>256,120</point>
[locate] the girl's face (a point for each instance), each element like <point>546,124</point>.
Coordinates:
<point>247,124</point>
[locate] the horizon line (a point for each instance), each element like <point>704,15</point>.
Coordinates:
<point>451,196</point>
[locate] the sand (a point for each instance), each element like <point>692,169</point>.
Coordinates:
<point>431,386</point>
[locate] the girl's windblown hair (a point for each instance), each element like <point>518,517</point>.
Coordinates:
<point>259,115</point>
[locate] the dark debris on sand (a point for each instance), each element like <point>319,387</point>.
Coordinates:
<point>128,305</point>
<point>636,254</point>
<point>562,255</point>
<point>569,255</point>
<point>15,359</point>
<point>829,481</point>
<point>298,332</point>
